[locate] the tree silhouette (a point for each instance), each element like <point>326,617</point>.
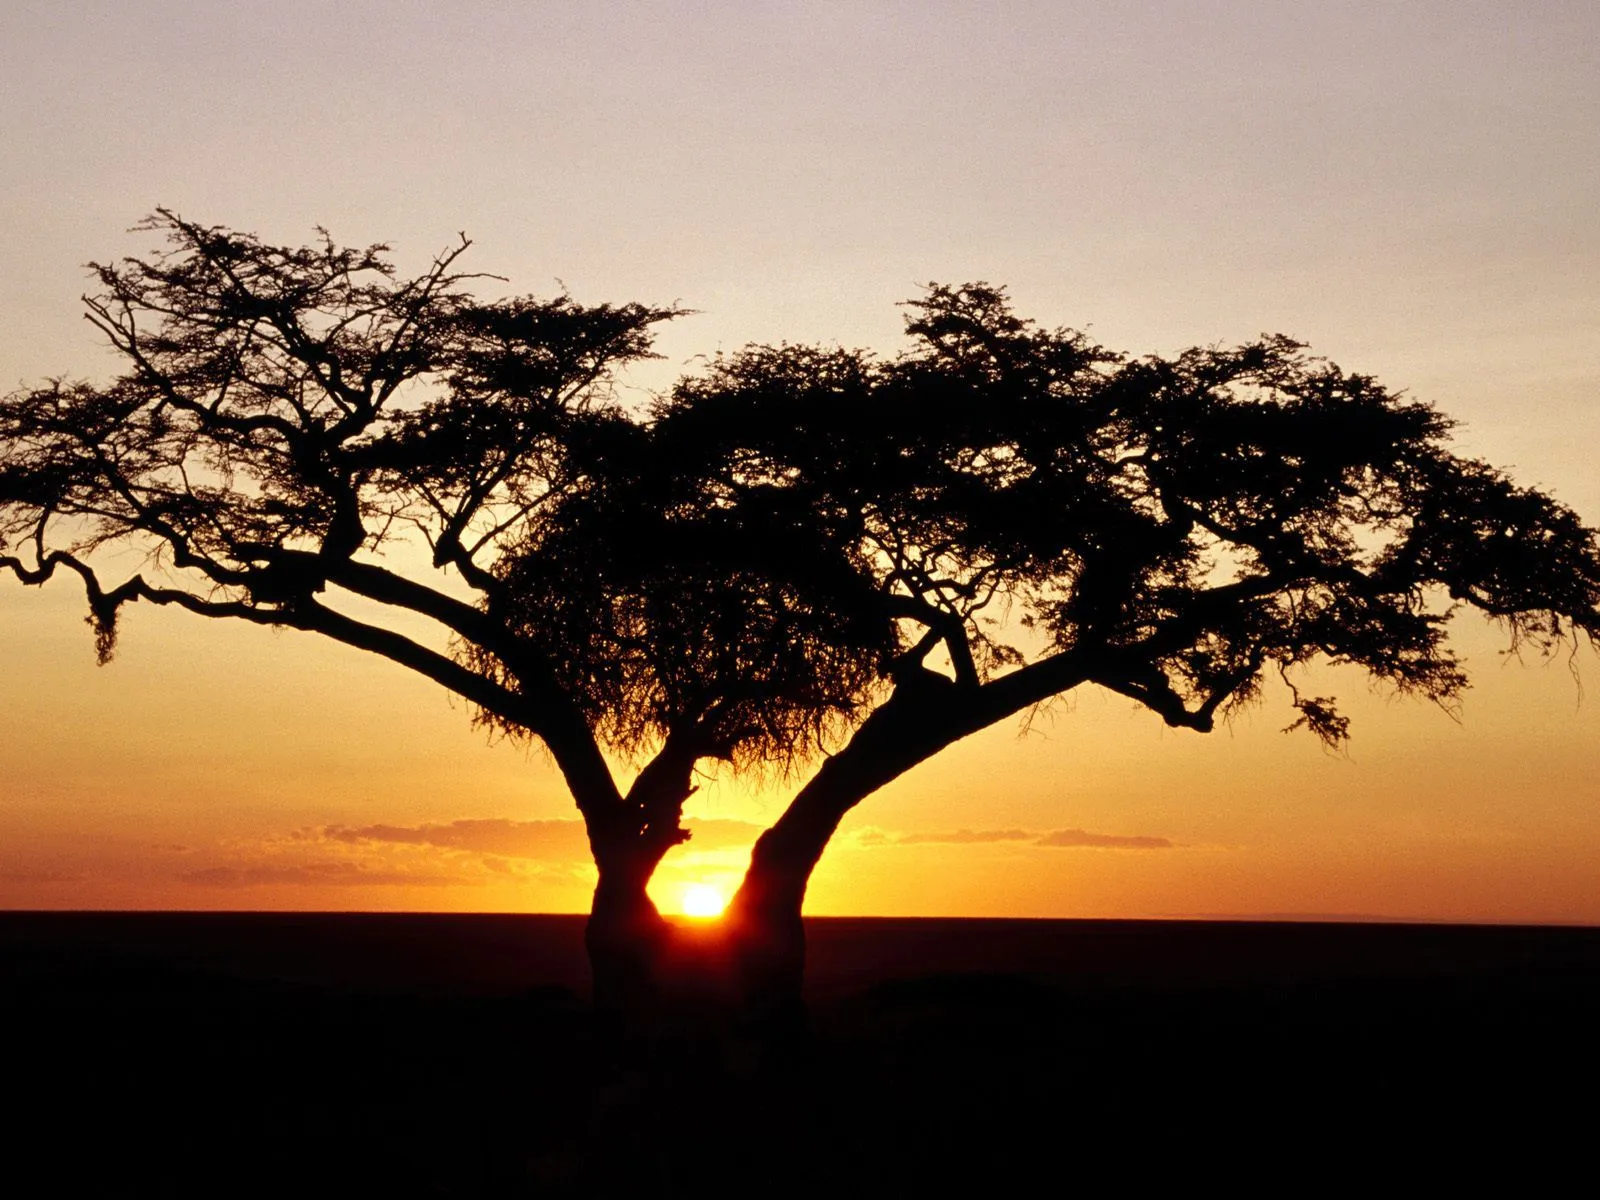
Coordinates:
<point>800,556</point>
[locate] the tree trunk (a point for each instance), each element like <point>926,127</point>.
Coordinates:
<point>625,937</point>
<point>765,919</point>
<point>766,913</point>
<point>768,940</point>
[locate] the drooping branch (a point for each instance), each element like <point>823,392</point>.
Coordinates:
<point>304,614</point>
<point>547,714</point>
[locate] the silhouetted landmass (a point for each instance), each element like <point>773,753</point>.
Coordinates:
<point>221,1054</point>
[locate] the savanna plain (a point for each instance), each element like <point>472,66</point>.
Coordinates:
<point>450,1055</point>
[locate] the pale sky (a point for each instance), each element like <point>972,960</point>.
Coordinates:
<point>1409,187</point>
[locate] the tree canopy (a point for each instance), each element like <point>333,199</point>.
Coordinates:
<point>798,554</point>
<point>1001,500</point>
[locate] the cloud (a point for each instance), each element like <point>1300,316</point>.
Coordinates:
<point>467,852</point>
<point>550,841</point>
<point>557,841</point>
<point>967,837</point>
<point>721,833</point>
<point>485,851</point>
<point>1069,838</point>
<point>321,874</point>
<point>45,876</point>
<point>1103,841</point>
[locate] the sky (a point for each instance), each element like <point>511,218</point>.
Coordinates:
<point>1408,187</point>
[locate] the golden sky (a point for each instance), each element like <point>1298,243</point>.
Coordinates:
<point>1411,188</point>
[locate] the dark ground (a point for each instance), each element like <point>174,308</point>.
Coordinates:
<point>279,1054</point>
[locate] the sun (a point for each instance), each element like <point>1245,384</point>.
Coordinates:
<point>703,900</point>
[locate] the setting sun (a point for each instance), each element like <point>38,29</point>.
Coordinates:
<point>703,900</point>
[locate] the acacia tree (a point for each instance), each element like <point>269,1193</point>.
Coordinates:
<point>814,560</point>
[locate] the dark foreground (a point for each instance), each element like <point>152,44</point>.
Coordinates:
<point>274,1054</point>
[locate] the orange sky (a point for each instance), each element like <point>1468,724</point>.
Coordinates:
<point>1409,188</point>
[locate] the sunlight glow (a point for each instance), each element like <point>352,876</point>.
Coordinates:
<point>703,900</point>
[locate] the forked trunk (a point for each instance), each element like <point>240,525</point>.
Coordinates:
<point>743,976</point>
